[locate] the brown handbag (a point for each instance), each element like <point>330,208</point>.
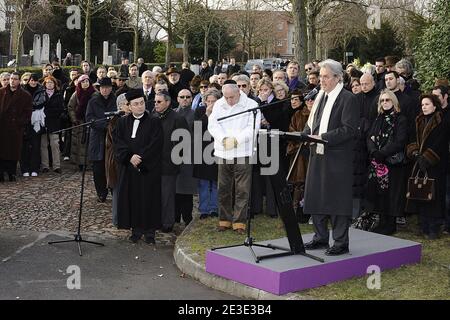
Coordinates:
<point>420,189</point>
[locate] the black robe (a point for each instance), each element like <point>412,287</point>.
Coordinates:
<point>139,190</point>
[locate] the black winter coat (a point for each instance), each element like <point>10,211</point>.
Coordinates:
<point>430,140</point>
<point>391,202</point>
<point>96,108</point>
<point>53,108</point>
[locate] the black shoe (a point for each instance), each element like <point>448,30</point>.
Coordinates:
<point>58,170</point>
<point>102,198</point>
<point>12,178</point>
<point>166,229</point>
<point>214,214</point>
<point>2,177</point>
<point>336,251</point>
<point>149,240</point>
<point>204,216</point>
<point>134,238</point>
<point>45,170</point>
<point>315,245</point>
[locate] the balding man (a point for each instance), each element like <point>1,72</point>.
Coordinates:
<point>368,97</point>
<point>233,146</point>
<point>334,118</point>
<point>148,82</point>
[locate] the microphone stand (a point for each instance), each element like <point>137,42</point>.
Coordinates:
<point>282,197</point>
<point>78,239</point>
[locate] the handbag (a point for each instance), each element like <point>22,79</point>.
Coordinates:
<point>420,189</point>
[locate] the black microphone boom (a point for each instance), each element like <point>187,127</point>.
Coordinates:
<point>114,113</point>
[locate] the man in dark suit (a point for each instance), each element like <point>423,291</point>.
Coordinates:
<point>148,82</point>
<point>334,118</point>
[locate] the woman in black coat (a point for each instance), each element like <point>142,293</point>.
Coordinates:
<point>386,142</point>
<point>206,173</point>
<point>52,101</point>
<point>429,149</point>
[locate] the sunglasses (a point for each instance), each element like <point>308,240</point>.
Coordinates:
<point>308,69</point>
<point>203,86</point>
<point>184,97</point>
<point>242,85</point>
<point>159,101</point>
<point>385,100</point>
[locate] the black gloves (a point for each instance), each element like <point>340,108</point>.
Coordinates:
<point>378,156</point>
<point>422,163</point>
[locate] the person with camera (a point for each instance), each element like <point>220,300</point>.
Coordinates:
<point>429,150</point>
<point>386,142</point>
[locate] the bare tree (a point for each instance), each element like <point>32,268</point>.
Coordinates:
<point>24,13</point>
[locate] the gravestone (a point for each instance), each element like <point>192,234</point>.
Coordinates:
<point>105,52</point>
<point>25,61</point>
<point>37,50</point>
<point>131,57</point>
<point>45,52</point>
<point>118,56</point>
<point>3,61</point>
<point>58,51</point>
<point>113,53</point>
<point>76,60</point>
<point>109,60</point>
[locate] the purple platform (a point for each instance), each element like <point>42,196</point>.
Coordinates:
<point>282,275</point>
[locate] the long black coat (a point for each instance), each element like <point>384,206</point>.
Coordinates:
<point>53,108</point>
<point>392,202</point>
<point>430,139</point>
<point>328,188</point>
<point>171,121</point>
<point>204,171</point>
<point>139,191</point>
<point>96,108</point>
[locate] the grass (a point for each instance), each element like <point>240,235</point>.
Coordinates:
<point>428,280</point>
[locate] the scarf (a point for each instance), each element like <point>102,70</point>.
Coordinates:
<point>83,96</point>
<point>49,92</point>
<point>292,84</point>
<point>383,132</point>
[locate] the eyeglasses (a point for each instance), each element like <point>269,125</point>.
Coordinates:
<point>385,100</point>
<point>242,85</point>
<point>184,97</point>
<point>159,101</point>
<point>280,90</point>
<point>203,86</point>
<point>308,69</point>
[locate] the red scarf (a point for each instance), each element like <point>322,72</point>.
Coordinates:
<point>83,96</point>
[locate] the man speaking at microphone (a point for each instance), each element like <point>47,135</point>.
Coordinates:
<point>101,102</point>
<point>328,190</point>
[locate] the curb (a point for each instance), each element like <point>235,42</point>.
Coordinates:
<point>187,262</point>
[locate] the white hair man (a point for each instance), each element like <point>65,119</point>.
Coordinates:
<point>233,146</point>
<point>334,118</point>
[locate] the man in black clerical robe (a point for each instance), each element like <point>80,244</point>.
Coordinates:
<point>138,141</point>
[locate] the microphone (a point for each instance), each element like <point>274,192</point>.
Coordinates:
<point>114,113</point>
<point>312,94</point>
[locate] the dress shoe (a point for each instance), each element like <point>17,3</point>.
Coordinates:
<point>45,170</point>
<point>240,231</point>
<point>34,174</point>
<point>12,178</point>
<point>336,251</point>
<point>102,198</point>
<point>149,240</point>
<point>166,229</point>
<point>2,177</point>
<point>134,238</point>
<point>204,216</point>
<point>315,245</point>
<point>57,170</point>
<point>214,214</point>
<point>26,174</point>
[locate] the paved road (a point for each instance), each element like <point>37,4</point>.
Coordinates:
<point>36,210</point>
<point>32,269</point>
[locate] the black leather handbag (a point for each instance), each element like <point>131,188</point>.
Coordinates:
<point>420,189</point>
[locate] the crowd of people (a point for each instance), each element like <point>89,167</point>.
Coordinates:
<point>380,128</point>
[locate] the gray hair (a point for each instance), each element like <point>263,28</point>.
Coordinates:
<point>406,65</point>
<point>232,86</point>
<point>281,84</point>
<point>212,92</point>
<point>148,71</point>
<point>4,74</point>
<point>241,77</point>
<point>165,95</point>
<point>157,69</point>
<point>334,66</point>
<point>121,99</point>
